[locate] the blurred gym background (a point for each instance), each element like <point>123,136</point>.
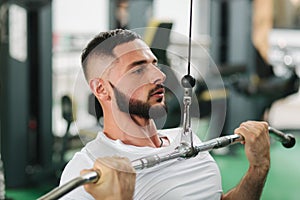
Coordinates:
<point>48,113</point>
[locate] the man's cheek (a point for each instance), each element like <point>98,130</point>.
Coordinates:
<point>132,90</point>
<point>133,81</point>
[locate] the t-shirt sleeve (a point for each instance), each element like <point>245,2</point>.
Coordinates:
<point>72,170</point>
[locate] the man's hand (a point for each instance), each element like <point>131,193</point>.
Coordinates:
<point>257,143</point>
<point>117,179</point>
<point>257,149</point>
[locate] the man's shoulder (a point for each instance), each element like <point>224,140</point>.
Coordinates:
<point>85,158</point>
<point>72,170</point>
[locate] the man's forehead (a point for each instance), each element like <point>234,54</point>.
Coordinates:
<point>104,63</point>
<point>131,46</point>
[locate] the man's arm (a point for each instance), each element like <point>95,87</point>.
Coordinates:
<point>257,149</point>
<point>117,181</point>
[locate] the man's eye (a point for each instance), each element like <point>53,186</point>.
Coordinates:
<point>139,70</point>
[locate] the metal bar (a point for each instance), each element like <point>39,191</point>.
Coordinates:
<point>182,151</point>
<point>287,140</point>
<point>58,192</point>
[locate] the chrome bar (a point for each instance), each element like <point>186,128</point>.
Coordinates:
<point>91,177</point>
<point>182,151</point>
<point>286,139</point>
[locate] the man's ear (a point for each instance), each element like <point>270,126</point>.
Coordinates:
<point>98,88</point>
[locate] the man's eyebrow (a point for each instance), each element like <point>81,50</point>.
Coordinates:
<point>140,62</point>
<point>136,63</point>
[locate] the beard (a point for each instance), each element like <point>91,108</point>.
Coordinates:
<point>138,107</point>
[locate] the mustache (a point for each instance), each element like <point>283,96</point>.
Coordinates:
<point>158,86</point>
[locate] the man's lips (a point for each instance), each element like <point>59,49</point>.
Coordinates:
<point>158,93</point>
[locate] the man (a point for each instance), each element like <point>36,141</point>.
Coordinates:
<point>122,73</point>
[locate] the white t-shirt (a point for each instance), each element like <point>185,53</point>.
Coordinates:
<point>193,178</point>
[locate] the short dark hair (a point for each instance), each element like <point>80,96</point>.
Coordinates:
<point>105,42</point>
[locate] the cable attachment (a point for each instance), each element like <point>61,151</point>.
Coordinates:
<point>188,82</point>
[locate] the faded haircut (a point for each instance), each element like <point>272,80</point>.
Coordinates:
<point>104,43</point>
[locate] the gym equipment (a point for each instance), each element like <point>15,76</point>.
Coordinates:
<point>182,151</point>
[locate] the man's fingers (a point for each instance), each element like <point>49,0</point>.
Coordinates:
<point>252,130</point>
<point>117,178</point>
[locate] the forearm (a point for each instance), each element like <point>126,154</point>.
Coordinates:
<point>251,185</point>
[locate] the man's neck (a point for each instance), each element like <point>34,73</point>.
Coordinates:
<point>131,130</point>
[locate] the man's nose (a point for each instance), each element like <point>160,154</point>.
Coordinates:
<point>156,76</point>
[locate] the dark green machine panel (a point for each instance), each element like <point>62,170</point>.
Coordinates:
<point>26,96</point>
